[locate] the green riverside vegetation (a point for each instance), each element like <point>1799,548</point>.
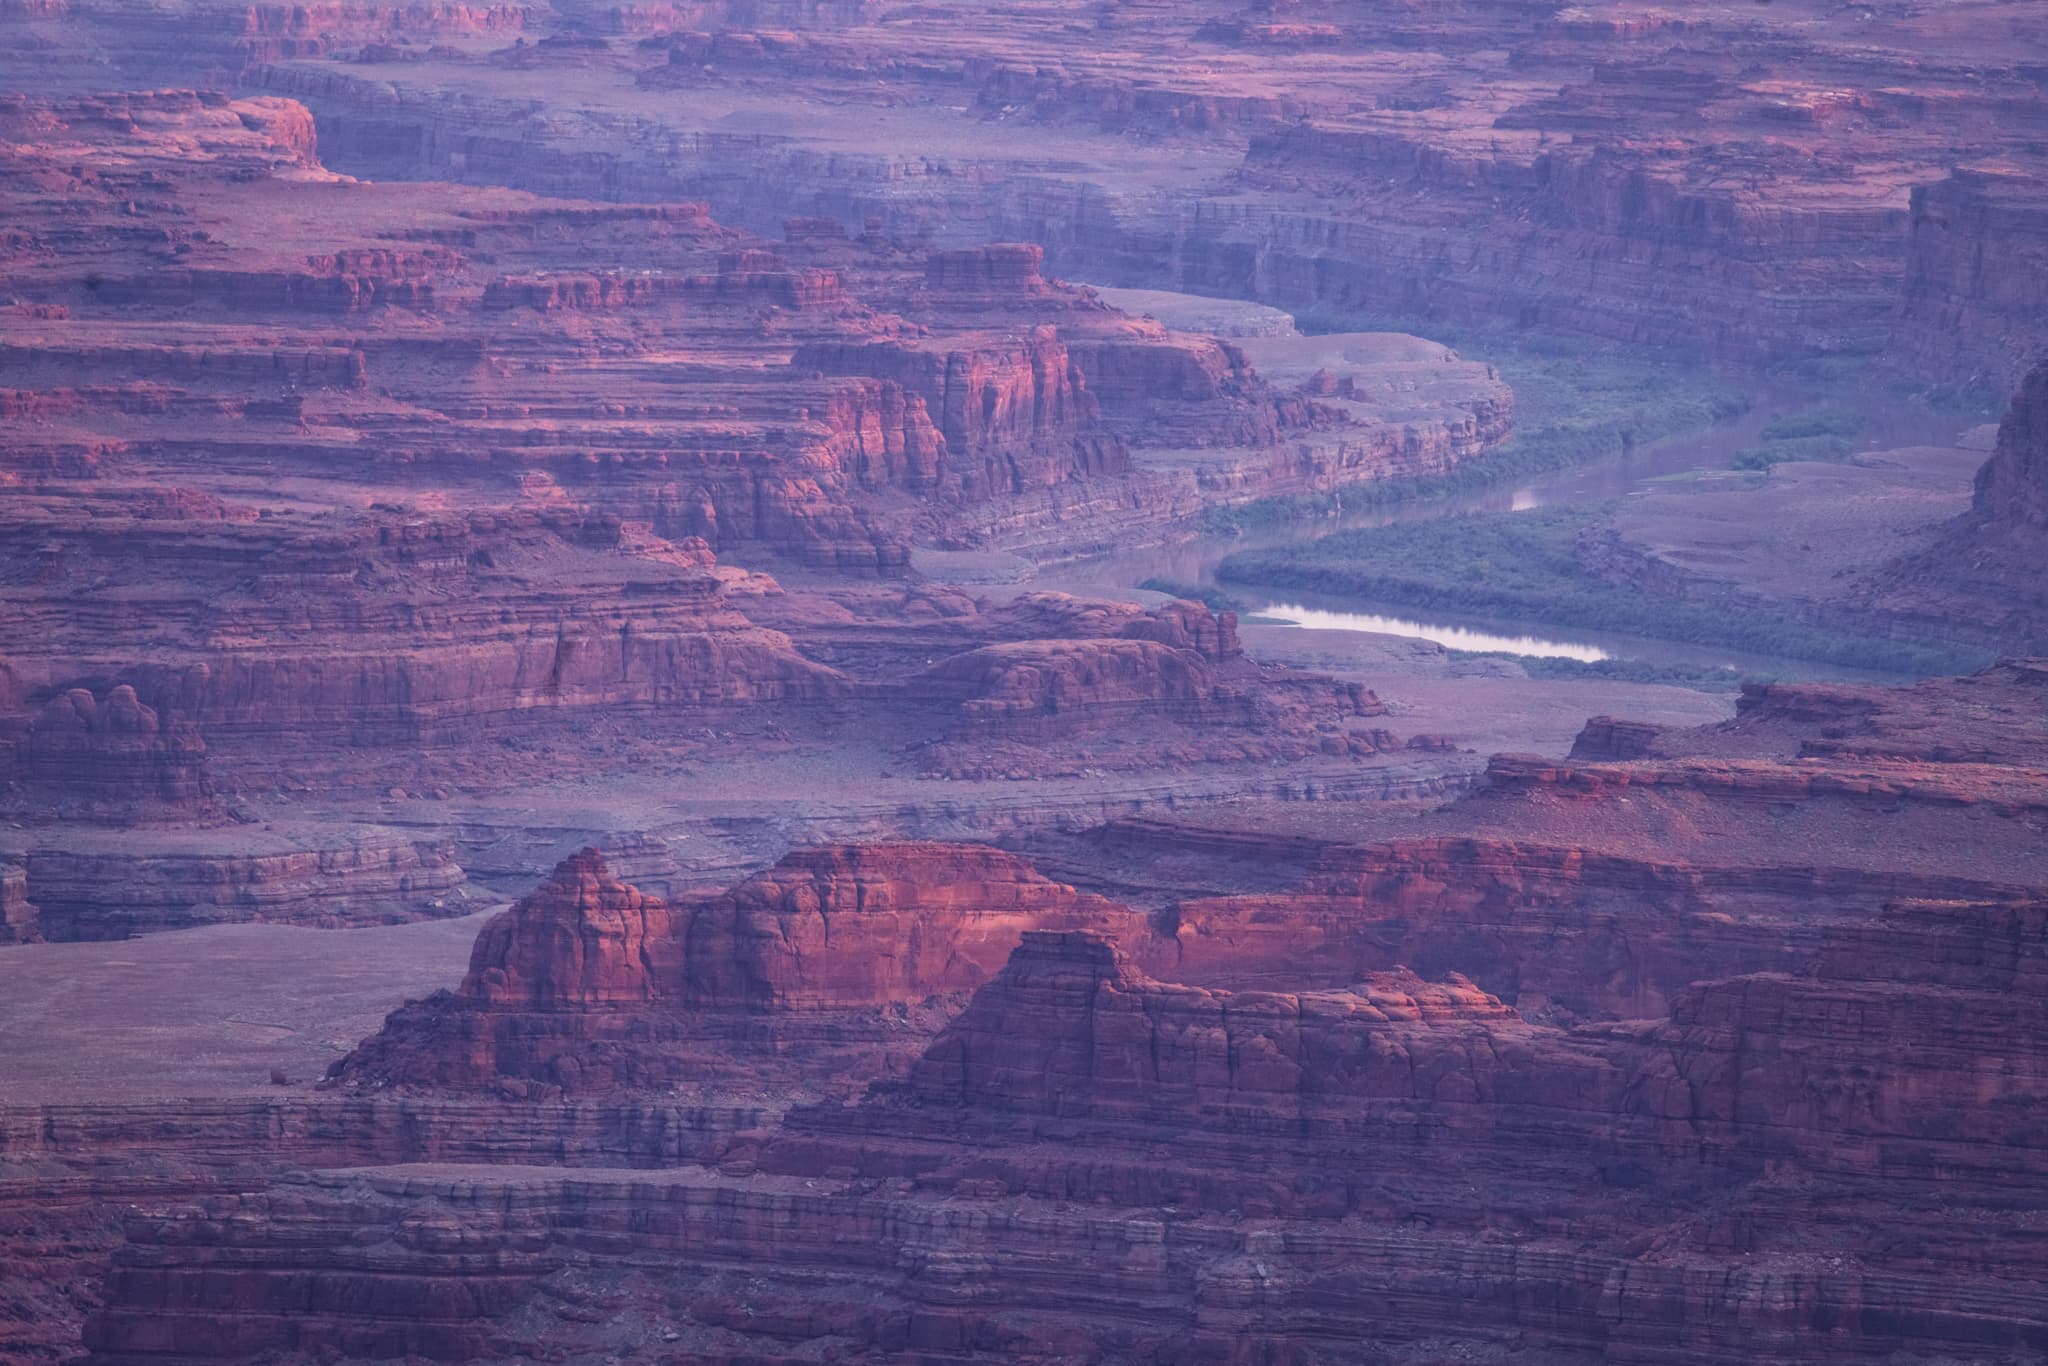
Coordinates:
<point>1825,432</point>
<point>1214,598</point>
<point>1574,403</point>
<point>1525,567</point>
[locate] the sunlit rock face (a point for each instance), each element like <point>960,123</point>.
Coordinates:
<point>1717,1057</point>
<point>589,986</point>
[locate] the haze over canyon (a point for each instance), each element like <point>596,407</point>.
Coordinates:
<point>1111,681</point>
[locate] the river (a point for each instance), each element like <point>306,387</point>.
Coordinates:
<point>1195,561</point>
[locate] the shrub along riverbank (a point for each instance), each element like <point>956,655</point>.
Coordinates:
<point>1574,404</point>
<point>1526,568</point>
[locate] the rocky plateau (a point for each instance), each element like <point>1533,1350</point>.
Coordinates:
<point>1763,1085</point>
<point>625,734</point>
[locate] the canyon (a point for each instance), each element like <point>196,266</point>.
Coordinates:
<point>1727,179</point>
<point>1764,183</point>
<point>1929,551</point>
<point>639,720</point>
<point>1864,557</point>
<point>384,500</point>
<point>1726,1095</point>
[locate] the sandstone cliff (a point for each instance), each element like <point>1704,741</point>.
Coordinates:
<point>1724,1183</point>
<point>1982,577</point>
<point>808,973</point>
<point>1739,181</point>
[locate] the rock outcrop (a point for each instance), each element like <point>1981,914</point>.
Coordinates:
<point>113,758</point>
<point>1739,181</point>
<point>378,505</point>
<point>1982,577</point>
<point>2012,488</point>
<point>585,404</point>
<point>363,532</point>
<point>1975,258</point>
<point>807,974</point>
<point>1727,1179</point>
<point>1735,1028</point>
<point>581,939</point>
<point>113,885</point>
<point>1071,1029</point>
<point>19,919</point>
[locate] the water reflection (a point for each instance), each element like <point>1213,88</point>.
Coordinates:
<point>1450,637</point>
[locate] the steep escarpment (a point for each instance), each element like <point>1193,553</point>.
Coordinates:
<point>1982,574</point>
<point>368,545</point>
<point>2012,488</point>
<point>809,976</point>
<point>88,751</point>
<point>1739,182</point>
<point>334,503</point>
<point>1974,261</point>
<point>1604,885</point>
<point>1119,690</point>
<point>20,921</point>
<point>589,404</point>
<point>1734,1025</point>
<point>1649,1186</point>
<point>1105,1043</point>
<point>113,884</point>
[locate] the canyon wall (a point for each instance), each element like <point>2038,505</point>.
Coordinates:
<point>1754,185</point>
<point>1766,1087</point>
<point>1982,574</point>
<point>331,503</point>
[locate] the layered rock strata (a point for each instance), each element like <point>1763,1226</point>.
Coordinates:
<point>556,556</point>
<point>1743,182</point>
<point>101,886</point>
<point>330,502</point>
<point>815,974</point>
<point>1323,1145</point>
<point>1769,1087</point>
<point>1982,574</point>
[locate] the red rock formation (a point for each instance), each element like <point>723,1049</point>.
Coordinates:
<point>111,885</point>
<point>1268,1173</point>
<point>581,939</point>
<point>1057,683</point>
<point>1604,885</point>
<point>1985,719</point>
<point>1607,737</point>
<point>1738,180</point>
<point>2012,488</point>
<point>384,489</point>
<point>1014,413</point>
<point>880,925</point>
<point>1120,689</point>
<point>91,751</point>
<point>18,916</point>
<point>514,364</point>
<point>1975,259</point>
<point>588,984</point>
<point>1981,579</point>
<point>1071,1029</point>
<point>1720,1097</point>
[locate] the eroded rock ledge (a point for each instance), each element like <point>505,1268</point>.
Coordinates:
<point>1771,1088</point>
